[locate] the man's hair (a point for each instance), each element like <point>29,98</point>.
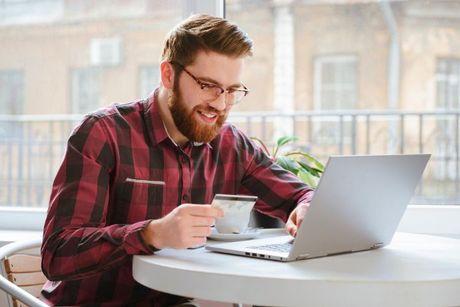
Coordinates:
<point>204,33</point>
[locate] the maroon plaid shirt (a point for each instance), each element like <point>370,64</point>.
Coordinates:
<point>95,216</point>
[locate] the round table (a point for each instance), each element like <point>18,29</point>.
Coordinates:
<point>414,270</point>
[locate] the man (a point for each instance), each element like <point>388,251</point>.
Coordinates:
<point>139,177</point>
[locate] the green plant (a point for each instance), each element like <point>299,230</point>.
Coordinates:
<point>300,163</point>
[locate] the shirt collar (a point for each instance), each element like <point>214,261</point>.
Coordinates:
<point>155,124</point>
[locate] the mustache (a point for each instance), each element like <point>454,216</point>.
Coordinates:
<point>209,109</point>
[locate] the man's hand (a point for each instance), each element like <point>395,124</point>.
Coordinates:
<point>296,218</point>
<point>186,226</point>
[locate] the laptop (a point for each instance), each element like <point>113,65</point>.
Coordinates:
<point>357,206</point>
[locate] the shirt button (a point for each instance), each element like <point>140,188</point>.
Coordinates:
<point>185,197</point>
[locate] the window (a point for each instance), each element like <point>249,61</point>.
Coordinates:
<point>85,90</point>
<point>11,103</point>
<point>148,79</point>
<point>11,91</point>
<point>106,51</point>
<point>389,63</point>
<point>335,89</point>
<point>358,77</point>
<point>78,56</point>
<point>448,98</point>
<point>335,82</point>
<point>448,83</point>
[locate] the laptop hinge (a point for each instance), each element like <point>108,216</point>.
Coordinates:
<point>303,256</point>
<point>377,245</point>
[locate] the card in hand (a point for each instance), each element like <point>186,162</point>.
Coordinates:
<point>233,203</point>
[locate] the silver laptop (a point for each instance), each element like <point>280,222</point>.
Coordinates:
<point>357,206</point>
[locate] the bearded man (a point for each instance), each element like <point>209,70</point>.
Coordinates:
<point>139,177</point>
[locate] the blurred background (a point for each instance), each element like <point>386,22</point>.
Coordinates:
<point>345,76</point>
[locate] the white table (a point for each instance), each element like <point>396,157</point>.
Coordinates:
<point>414,270</point>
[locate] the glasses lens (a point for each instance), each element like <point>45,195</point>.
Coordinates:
<point>210,92</point>
<point>237,96</point>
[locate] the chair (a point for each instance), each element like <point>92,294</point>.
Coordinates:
<point>23,278</point>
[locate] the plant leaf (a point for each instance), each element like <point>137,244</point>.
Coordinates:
<point>307,178</point>
<point>283,141</point>
<point>288,164</point>
<point>309,158</point>
<point>314,171</point>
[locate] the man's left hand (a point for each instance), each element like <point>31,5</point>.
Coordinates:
<point>295,218</point>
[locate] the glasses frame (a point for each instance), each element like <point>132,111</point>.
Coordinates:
<point>203,85</point>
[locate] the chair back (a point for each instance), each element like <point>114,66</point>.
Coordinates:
<point>23,278</point>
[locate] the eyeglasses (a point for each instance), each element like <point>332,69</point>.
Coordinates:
<point>212,91</point>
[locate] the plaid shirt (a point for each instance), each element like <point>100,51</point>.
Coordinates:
<point>95,215</point>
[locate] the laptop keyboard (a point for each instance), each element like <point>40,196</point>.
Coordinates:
<point>285,247</point>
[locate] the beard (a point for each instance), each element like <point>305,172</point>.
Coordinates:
<point>187,123</point>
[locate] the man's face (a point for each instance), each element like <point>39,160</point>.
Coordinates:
<point>197,118</point>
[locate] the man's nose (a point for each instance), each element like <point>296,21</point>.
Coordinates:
<point>220,102</point>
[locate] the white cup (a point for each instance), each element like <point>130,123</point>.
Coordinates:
<point>237,212</point>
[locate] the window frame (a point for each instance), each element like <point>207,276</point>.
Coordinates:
<point>442,80</point>
<point>77,75</point>
<point>143,89</point>
<point>21,84</point>
<point>318,70</point>
<point>22,219</point>
<point>418,218</point>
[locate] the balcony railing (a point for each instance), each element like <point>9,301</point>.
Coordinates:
<point>32,146</point>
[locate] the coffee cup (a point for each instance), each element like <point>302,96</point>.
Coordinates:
<point>237,212</point>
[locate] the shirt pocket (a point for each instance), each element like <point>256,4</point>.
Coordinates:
<point>140,192</point>
<point>141,201</point>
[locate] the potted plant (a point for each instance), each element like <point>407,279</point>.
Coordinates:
<point>300,163</point>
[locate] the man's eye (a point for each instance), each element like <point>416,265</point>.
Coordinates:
<point>233,90</point>
<point>206,86</point>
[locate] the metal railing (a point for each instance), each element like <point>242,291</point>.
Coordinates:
<point>32,146</point>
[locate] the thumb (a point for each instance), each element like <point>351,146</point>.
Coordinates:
<point>291,228</point>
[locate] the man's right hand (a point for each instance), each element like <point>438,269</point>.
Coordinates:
<point>186,226</point>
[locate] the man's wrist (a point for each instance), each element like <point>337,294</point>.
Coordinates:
<point>303,203</point>
<point>150,234</point>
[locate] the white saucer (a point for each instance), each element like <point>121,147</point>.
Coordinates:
<point>250,233</point>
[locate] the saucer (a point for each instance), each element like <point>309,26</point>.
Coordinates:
<point>249,234</point>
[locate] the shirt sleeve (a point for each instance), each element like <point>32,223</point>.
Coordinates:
<point>76,240</point>
<point>279,191</point>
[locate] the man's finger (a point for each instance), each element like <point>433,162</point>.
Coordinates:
<point>197,242</point>
<point>200,232</point>
<point>291,228</point>
<point>299,221</point>
<point>204,210</point>
<point>202,221</point>
<point>293,231</point>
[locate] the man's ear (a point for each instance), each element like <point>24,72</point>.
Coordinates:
<point>167,74</point>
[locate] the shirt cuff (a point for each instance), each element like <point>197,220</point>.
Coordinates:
<point>306,198</point>
<point>133,241</point>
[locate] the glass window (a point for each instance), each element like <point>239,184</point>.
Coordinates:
<point>335,82</point>
<point>149,79</point>
<point>448,83</point>
<point>334,89</point>
<point>11,91</point>
<point>448,98</point>
<point>77,56</point>
<point>358,77</point>
<point>85,90</point>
